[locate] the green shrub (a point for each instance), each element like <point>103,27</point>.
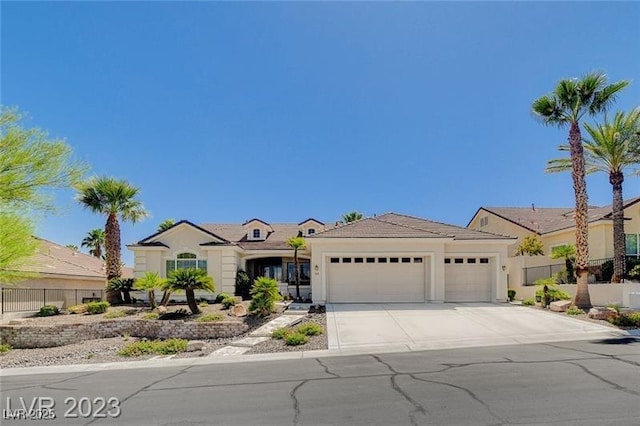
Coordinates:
<point>95,308</point>
<point>574,311</point>
<point>150,316</point>
<point>243,284</point>
<point>630,319</point>
<point>512,294</point>
<point>115,314</point>
<point>555,293</point>
<point>295,339</point>
<point>228,302</point>
<point>48,310</point>
<point>211,318</point>
<point>203,303</point>
<point>148,347</point>
<point>78,309</point>
<point>529,301</point>
<point>309,329</point>
<point>265,293</point>
<point>221,296</point>
<point>614,307</point>
<point>279,333</point>
<point>4,348</point>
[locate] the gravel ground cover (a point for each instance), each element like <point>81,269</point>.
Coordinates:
<point>314,343</point>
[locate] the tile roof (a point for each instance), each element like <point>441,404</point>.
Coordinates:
<point>543,220</point>
<point>394,225</point>
<point>276,240</point>
<point>52,258</point>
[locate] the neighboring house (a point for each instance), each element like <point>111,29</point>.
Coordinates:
<point>388,258</point>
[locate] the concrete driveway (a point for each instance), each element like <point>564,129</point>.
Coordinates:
<point>407,326</point>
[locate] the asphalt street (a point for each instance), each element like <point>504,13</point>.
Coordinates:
<point>568,383</point>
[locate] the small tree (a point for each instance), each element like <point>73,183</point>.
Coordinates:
<point>296,243</point>
<point>191,279</point>
<point>264,296</point>
<point>568,253</point>
<point>531,245</point>
<point>351,217</point>
<point>122,285</point>
<point>149,283</point>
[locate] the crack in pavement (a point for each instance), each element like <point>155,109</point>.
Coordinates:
<point>386,364</point>
<point>417,407</point>
<point>602,379</point>
<point>614,357</point>
<point>326,368</point>
<point>296,403</point>
<point>48,385</point>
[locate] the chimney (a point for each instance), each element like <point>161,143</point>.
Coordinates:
<point>533,207</point>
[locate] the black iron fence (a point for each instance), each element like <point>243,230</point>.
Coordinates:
<point>600,270</point>
<point>32,299</point>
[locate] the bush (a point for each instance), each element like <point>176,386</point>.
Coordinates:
<point>95,308</point>
<point>265,294</point>
<point>4,348</point>
<point>529,301</point>
<point>243,284</point>
<point>309,329</point>
<point>512,294</point>
<point>615,307</point>
<point>78,309</point>
<point>221,296</point>
<point>295,339</point>
<point>279,333</point>
<point>574,311</point>
<point>631,319</point>
<point>203,303</point>
<point>150,316</point>
<point>211,318</point>
<point>228,302</point>
<point>148,347</point>
<point>48,310</point>
<point>555,293</point>
<point>115,314</point>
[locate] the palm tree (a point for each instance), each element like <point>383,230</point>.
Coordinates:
<point>115,199</point>
<point>566,252</point>
<point>570,101</point>
<point>166,224</point>
<point>149,283</point>
<point>612,147</point>
<point>94,241</point>
<point>351,217</point>
<point>191,279</point>
<point>296,243</point>
<point>72,247</point>
<point>122,285</point>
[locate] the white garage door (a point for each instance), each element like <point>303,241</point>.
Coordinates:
<point>376,279</point>
<point>468,279</point>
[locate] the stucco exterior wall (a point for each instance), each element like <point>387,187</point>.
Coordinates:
<point>69,283</point>
<point>601,294</point>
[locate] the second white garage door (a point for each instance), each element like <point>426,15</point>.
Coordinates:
<point>355,279</point>
<point>468,279</point>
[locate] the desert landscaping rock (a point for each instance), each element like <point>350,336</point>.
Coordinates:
<point>602,313</point>
<point>239,311</point>
<point>315,342</point>
<point>195,345</point>
<point>560,305</point>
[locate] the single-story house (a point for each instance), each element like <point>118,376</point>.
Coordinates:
<point>387,258</point>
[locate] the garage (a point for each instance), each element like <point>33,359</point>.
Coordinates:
<point>468,279</point>
<point>379,278</point>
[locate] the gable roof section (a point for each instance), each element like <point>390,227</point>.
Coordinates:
<point>394,225</point>
<point>148,242</point>
<point>237,233</point>
<point>543,220</point>
<point>310,220</point>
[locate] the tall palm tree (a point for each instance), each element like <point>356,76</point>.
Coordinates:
<point>94,241</point>
<point>351,217</point>
<point>166,224</point>
<point>570,101</point>
<point>296,243</point>
<point>612,148</point>
<point>115,199</point>
<point>191,279</point>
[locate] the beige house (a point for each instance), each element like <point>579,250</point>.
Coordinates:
<point>388,258</point>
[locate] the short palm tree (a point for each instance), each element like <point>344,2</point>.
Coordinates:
<point>612,148</point>
<point>150,282</point>
<point>122,285</point>
<point>94,241</point>
<point>568,253</point>
<point>296,243</point>
<point>191,279</point>
<point>166,224</point>
<point>115,199</point>
<point>570,101</point>
<point>351,217</point>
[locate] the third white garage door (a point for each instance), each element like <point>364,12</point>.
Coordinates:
<point>468,279</point>
<point>354,279</point>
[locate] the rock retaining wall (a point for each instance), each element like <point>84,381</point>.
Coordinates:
<point>43,336</point>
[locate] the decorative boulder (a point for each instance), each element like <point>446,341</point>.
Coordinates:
<point>560,305</point>
<point>195,345</point>
<point>161,310</point>
<point>238,311</point>
<point>602,313</point>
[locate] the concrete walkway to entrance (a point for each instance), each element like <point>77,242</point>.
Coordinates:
<point>421,326</point>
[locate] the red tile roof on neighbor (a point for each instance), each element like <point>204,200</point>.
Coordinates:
<point>394,225</point>
<point>543,220</point>
<point>54,259</point>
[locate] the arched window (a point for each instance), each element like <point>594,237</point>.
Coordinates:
<point>185,261</point>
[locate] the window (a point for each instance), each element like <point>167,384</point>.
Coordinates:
<point>406,260</point>
<point>417,260</point>
<point>186,261</point>
<point>458,260</point>
<point>447,260</point>
<point>484,260</point>
<point>358,260</point>
<point>305,272</point>
<point>311,231</point>
<point>346,260</point>
<point>471,260</point>
<point>484,221</point>
<point>335,260</point>
<point>371,260</point>
<point>382,260</point>
<point>256,233</point>
<point>393,260</point>
<point>632,242</point>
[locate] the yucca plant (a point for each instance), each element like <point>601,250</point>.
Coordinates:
<point>191,279</point>
<point>264,294</point>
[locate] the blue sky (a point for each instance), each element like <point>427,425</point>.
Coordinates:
<point>221,112</point>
